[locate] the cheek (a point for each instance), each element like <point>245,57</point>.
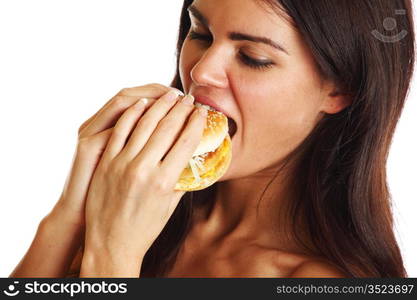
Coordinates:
<point>284,100</point>
<point>188,58</point>
<point>277,114</point>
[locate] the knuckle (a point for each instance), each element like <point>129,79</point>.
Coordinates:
<point>119,102</point>
<point>118,133</point>
<point>167,123</point>
<point>94,144</point>
<point>146,121</point>
<point>161,186</point>
<point>136,174</point>
<point>186,141</point>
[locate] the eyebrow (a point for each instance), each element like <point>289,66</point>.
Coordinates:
<point>237,36</point>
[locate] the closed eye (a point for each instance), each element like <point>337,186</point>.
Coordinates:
<point>244,58</point>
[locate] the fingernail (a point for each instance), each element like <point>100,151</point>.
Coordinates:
<point>179,92</point>
<point>172,95</point>
<point>203,111</point>
<point>188,99</point>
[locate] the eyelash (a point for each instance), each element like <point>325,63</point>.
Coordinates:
<point>248,61</point>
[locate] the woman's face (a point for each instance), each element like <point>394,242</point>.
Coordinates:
<point>274,94</point>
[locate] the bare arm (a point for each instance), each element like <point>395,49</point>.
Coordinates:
<point>116,264</point>
<point>52,250</point>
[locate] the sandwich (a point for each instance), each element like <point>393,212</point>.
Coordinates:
<point>212,157</point>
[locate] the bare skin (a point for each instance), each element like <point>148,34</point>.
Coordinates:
<point>53,252</point>
<point>275,109</point>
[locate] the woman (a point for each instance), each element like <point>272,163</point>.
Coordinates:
<point>315,94</point>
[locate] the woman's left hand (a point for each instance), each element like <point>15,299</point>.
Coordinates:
<point>131,195</point>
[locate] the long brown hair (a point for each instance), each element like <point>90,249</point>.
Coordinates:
<point>345,200</point>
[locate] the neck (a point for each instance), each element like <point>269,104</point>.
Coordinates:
<point>248,204</point>
<point>252,208</point>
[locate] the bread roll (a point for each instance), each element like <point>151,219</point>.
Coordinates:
<point>212,157</point>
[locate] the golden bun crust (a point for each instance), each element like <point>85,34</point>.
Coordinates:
<point>215,165</point>
<point>214,133</point>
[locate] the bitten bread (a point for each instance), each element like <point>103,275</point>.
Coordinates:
<point>212,157</point>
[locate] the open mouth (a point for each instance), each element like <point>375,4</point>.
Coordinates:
<point>232,127</point>
<point>230,122</point>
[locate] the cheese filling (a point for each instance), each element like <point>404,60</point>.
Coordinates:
<point>196,164</point>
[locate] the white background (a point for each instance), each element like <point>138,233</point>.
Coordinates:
<point>60,61</point>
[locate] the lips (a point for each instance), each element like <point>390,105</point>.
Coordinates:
<point>212,105</point>
<point>209,102</point>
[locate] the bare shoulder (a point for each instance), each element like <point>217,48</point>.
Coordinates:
<point>275,263</point>
<point>317,268</point>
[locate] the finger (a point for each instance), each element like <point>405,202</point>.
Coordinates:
<point>84,163</point>
<point>145,91</point>
<point>89,120</point>
<point>83,125</point>
<point>177,158</point>
<point>94,145</point>
<point>140,91</point>
<point>123,128</point>
<point>147,124</point>
<point>167,131</point>
<point>111,112</point>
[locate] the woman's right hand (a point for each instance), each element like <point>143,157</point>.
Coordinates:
<point>93,136</point>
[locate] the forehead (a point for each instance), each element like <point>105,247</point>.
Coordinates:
<point>251,16</point>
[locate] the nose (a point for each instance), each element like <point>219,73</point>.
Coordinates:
<point>210,69</point>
